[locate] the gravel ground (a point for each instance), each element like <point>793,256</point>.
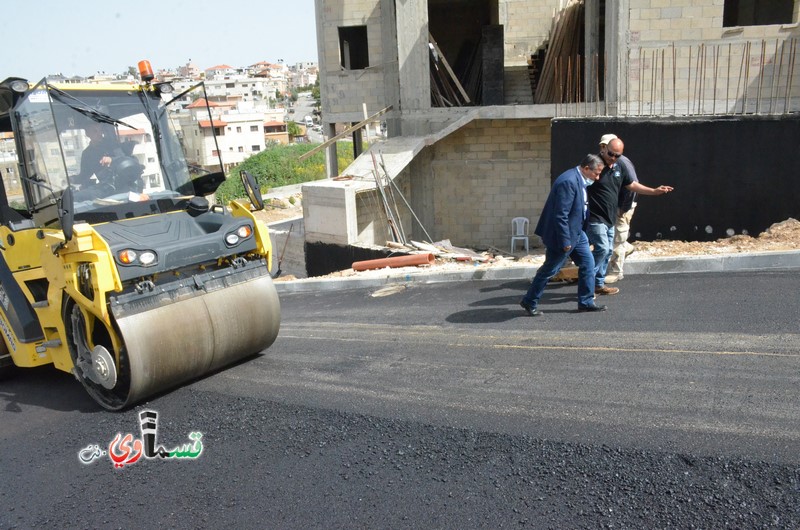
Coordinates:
<point>266,465</point>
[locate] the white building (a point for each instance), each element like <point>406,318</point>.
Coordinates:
<point>239,135</point>
<point>219,71</point>
<point>241,88</point>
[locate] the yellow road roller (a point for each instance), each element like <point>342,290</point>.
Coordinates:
<point>116,264</point>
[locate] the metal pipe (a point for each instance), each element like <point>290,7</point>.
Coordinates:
<point>739,80</point>
<point>596,60</point>
<point>714,96</point>
<point>698,84</point>
<point>653,70</point>
<point>605,76</point>
<point>761,75</point>
<point>628,85</point>
<point>663,81</point>
<point>792,56</point>
<point>393,183</point>
<point>674,82</point>
<point>641,82</point>
<point>689,83</point>
<point>703,81</point>
<point>395,261</point>
<point>728,81</point>
<point>746,77</point>
<point>776,76</point>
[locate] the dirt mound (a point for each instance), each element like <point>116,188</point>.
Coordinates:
<point>778,237</point>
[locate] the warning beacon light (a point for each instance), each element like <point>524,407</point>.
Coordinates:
<point>146,71</point>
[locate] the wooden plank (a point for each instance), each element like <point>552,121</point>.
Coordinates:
<point>449,70</point>
<point>344,133</point>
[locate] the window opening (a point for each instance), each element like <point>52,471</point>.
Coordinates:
<point>757,12</point>
<point>353,47</point>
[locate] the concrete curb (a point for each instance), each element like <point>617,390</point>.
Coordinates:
<point>715,263</point>
<point>671,265</point>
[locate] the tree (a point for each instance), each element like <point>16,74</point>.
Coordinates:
<point>293,129</point>
<point>315,93</point>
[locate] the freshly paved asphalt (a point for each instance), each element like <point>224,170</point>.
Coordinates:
<point>411,404</point>
<point>757,261</point>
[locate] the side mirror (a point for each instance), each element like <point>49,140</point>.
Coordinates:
<point>251,187</point>
<point>66,213</point>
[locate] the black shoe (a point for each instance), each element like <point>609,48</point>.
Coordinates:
<point>531,310</point>
<point>591,308</point>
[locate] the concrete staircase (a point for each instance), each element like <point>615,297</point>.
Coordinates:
<point>517,83</point>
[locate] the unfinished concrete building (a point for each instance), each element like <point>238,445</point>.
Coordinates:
<point>485,101</point>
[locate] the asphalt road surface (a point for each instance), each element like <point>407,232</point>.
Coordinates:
<point>443,406</point>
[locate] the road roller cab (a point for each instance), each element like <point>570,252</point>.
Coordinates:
<point>114,264</point>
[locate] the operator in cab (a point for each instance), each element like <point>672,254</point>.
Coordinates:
<point>98,156</point>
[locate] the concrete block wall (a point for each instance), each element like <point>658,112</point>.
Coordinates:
<point>484,175</point>
<point>327,207</point>
<point>682,59</point>
<point>372,225</point>
<point>346,91</point>
<point>526,25</point>
<point>692,20</point>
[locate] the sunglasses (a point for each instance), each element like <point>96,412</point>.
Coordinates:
<point>613,155</point>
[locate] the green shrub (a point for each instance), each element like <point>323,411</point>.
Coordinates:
<point>278,165</point>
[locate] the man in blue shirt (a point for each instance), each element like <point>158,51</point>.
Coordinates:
<point>561,228</point>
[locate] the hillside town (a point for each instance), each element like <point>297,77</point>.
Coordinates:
<point>251,108</point>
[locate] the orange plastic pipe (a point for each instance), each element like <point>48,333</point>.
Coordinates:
<point>397,261</point>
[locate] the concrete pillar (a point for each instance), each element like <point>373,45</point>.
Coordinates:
<point>616,43</point>
<point>592,47</point>
<point>358,145</point>
<point>331,157</point>
<point>391,73</point>
<point>413,55</point>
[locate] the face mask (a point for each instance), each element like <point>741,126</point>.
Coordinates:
<point>586,181</point>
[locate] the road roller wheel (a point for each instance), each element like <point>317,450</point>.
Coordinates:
<point>90,346</point>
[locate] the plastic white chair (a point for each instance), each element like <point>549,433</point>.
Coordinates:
<point>519,232</point>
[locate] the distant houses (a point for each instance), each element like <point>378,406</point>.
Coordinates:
<point>249,106</point>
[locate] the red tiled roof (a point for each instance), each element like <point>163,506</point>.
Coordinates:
<point>220,67</point>
<point>201,102</point>
<point>207,123</point>
<point>273,123</point>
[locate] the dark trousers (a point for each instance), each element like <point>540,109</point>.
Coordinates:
<point>553,261</point>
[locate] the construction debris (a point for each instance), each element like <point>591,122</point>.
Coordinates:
<point>443,251</point>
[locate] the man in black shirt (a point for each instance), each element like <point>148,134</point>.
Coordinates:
<point>626,206</point>
<point>97,157</point>
<point>603,199</point>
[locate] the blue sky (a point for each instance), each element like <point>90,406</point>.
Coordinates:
<point>89,36</point>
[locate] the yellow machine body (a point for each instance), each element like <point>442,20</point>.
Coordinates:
<point>132,290</point>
